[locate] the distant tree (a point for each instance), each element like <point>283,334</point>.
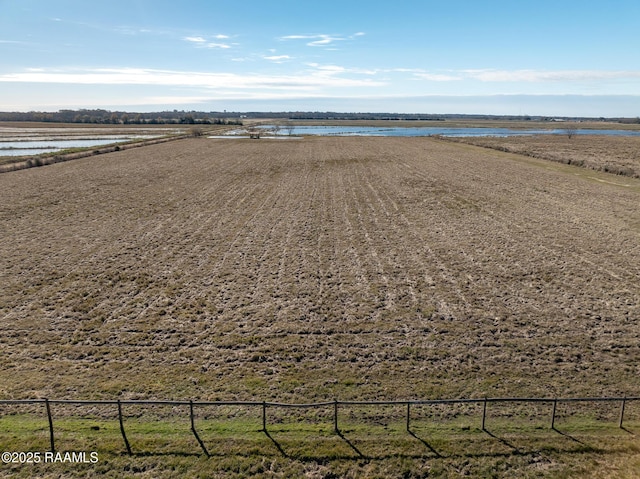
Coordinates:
<point>570,131</point>
<point>289,128</point>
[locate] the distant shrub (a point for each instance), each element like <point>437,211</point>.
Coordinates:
<point>196,131</point>
<point>570,131</point>
<point>618,170</point>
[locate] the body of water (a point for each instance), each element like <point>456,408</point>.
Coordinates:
<point>37,147</point>
<point>430,131</point>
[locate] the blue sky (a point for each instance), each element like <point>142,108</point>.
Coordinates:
<point>560,57</point>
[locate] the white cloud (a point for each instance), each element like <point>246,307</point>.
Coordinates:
<point>277,58</point>
<point>546,75</point>
<point>217,45</point>
<point>324,40</point>
<point>331,69</point>
<point>318,40</point>
<point>321,40</point>
<point>202,42</point>
<point>437,77</point>
<point>195,39</point>
<point>335,69</point>
<point>523,76</point>
<point>314,81</point>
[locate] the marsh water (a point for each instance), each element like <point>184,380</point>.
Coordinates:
<point>431,131</point>
<point>15,141</point>
<point>20,148</point>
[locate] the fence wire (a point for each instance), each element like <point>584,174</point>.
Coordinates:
<point>334,407</point>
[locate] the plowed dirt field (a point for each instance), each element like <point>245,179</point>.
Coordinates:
<point>372,268</point>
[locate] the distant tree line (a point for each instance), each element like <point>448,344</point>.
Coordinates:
<point>235,118</point>
<point>329,115</point>
<point>124,118</point>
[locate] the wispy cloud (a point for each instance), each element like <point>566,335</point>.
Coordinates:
<point>327,69</point>
<point>531,76</point>
<point>545,76</point>
<point>322,40</point>
<point>277,58</point>
<point>194,39</point>
<point>133,31</point>
<point>223,46</point>
<point>317,40</point>
<point>437,77</point>
<point>336,69</point>
<point>202,42</point>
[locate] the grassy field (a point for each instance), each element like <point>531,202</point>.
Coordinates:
<point>620,156</point>
<point>300,271</point>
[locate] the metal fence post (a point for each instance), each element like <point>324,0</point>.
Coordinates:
<point>193,429</point>
<point>484,413</point>
<point>475,401</point>
<point>264,416</point>
<point>124,436</point>
<point>408,415</point>
<point>51,438</point>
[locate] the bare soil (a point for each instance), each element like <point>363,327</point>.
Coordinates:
<point>373,268</point>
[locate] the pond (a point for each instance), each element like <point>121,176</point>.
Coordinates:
<point>429,131</point>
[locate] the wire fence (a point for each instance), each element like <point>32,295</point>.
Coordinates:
<point>335,406</point>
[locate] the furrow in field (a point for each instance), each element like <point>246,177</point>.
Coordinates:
<point>315,269</point>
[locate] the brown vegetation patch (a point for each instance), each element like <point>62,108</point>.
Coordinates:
<point>619,155</point>
<point>373,268</point>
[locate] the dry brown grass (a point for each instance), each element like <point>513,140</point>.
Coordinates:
<point>617,155</point>
<point>330,267</point>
